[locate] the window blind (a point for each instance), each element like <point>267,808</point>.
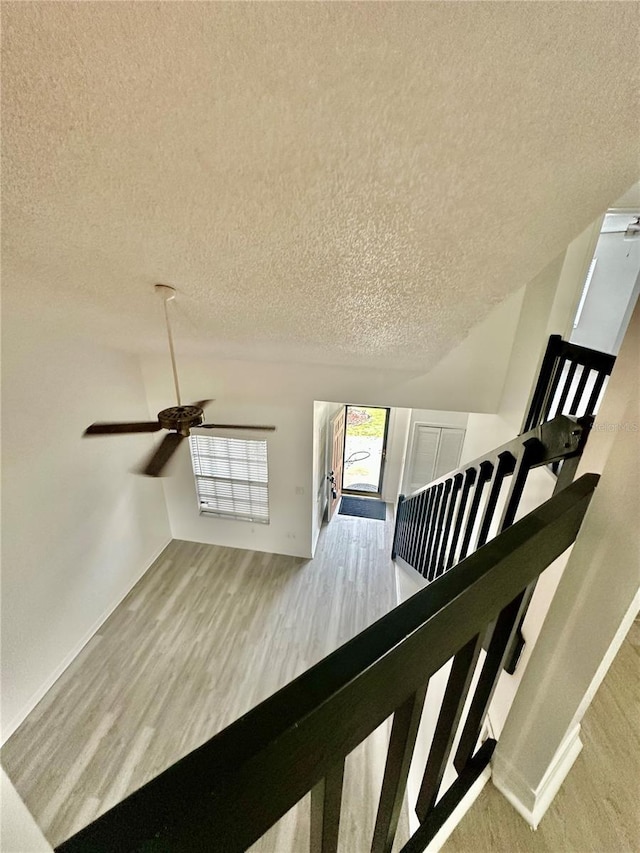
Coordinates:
<point>232,478</point>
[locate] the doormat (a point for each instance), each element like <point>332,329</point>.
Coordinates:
<point>363,508</point>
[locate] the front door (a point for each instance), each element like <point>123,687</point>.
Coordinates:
<point>365,450</point>
<point>337,455</point>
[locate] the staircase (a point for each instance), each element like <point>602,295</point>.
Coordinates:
<point>463,534</point>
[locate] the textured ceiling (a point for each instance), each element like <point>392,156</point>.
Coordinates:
<point>324,182</point>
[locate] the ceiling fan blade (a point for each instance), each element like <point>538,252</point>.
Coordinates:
<point>162,454</point>
<point>202,404</point>
<point>236,426</point>
<point>108,429</point>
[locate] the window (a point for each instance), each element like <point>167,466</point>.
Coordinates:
<point>232,479</point>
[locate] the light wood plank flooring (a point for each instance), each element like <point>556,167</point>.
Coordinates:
<point>205,635</point>
<point>209,632</point>
<point>597,810</point>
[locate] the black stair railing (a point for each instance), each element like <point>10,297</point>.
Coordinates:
<point>571,381</point>
<point>229,792</point>
<point>441,524</point>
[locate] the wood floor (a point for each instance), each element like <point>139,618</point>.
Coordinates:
<point>209,632</point>
<point>597,810</point>
<point>204,636</point>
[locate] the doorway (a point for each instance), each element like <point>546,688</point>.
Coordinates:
<point>611,286</point>
<point>365,450</point>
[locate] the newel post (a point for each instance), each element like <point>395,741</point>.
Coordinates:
<point>395,532</point>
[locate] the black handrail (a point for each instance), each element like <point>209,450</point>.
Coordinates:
<point>226,794</point>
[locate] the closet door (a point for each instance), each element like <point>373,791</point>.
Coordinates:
<point>434,451</point>
<point>449,450</point>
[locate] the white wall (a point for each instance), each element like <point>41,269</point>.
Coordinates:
<point>397,439</point>
<point>488,430</point>
<point>595,595</point>
<point>612,290</point>
<point>548,307</point>
<point>19,833</point>
<point>78,527</point>
<point>291,492</point>
<point>471,375</point>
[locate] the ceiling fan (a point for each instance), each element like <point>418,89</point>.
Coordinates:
<point>179,420</point>
<point>631,232</point>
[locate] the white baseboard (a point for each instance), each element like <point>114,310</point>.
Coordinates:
<point>408,580</point>
<point>18,719</point>
<point>532,804</point>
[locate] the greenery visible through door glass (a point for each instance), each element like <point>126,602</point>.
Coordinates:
<point>372,424</point>
<point>364,449</point>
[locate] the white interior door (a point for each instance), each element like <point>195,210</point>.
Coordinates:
<point>434,451</point>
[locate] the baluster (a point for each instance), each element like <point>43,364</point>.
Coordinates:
<point>397,545</point>
<point>433,530</point>
<point>409,531</point>
<point>326,802</point>
<point>567,473</point>
<point>531,451</point>
<point>417,532</point>
<point>501,637</point>
<point>486,469</point>
<point>415,529</point>
<point>429,517</point>
<point>595,393</point>
<point>566,386</point>
<point>458,684</point>
<point>469,480</point>
<point>405,527</point>
<point>534,415</point>
<point>506,465</point>
<point>406,722</point>
<point>397,528</point>
<point>437,539</point>
<point>504,630</point>
<point>551,391</point>
<point>582,384</point>
<point>453,500</point>
<point>424,512</point>
<point>450,800</point>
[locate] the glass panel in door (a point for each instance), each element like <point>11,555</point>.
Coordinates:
<point>365,449</point>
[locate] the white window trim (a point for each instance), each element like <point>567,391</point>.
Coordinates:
<point>225,481</point>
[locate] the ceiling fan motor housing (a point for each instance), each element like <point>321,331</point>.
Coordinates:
<point>181,418</point>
